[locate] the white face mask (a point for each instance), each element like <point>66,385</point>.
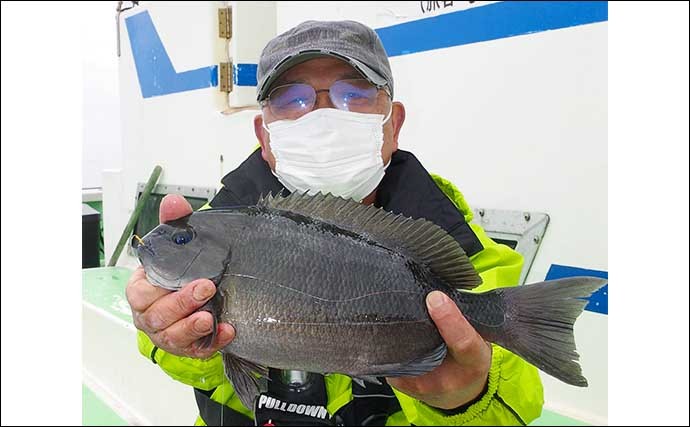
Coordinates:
<point>331,151</point>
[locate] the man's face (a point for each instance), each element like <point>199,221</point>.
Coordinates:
<point>321,73</point>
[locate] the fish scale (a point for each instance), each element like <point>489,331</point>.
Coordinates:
<point>374,298</point>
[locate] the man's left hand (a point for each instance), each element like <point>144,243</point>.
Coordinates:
<point>463,374</point>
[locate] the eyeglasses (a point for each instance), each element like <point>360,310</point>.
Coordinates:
<point>292,101</point>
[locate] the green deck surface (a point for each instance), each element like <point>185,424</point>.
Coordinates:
<point>549,418</point>
<point>96,413</point>
<point>104,287</point>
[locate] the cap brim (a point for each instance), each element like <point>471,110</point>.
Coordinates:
<point>290,61</point>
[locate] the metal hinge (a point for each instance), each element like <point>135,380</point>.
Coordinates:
<point>225,76</point>
<point>225,22</point>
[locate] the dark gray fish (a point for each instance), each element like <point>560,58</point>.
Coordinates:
<point>323,284</point>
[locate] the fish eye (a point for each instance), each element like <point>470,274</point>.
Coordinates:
<point>182,237</point>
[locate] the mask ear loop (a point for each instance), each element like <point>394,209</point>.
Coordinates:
<point>388,116</point>
<point>263,123</point>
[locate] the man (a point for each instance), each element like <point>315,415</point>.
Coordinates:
<point>328,123</point>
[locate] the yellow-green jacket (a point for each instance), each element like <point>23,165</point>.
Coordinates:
<point>514,394</point>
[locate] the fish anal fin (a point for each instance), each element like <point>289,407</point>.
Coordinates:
<point>422,365</point>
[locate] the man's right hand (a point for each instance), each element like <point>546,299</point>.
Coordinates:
<point>169,318</point>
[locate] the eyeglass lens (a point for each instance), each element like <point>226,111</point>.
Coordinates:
<point>292,101</point>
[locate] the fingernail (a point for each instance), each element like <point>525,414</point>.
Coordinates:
<point>436,299</point>
<point>203,291</point>
<point>202,325</point>
<point>226,334</point>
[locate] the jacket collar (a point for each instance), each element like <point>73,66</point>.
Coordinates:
<point>406,188</point>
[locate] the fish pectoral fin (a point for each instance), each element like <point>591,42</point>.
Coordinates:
<point>213,306</point>
<point>242,375</point>
<point>419,366</point>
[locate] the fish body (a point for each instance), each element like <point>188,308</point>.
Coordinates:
<point>322,284</point>
<point>302,293</point>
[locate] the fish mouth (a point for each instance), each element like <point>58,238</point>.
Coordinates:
<point>163,280</point>
<point>159,280</point>
<point>144,249</point>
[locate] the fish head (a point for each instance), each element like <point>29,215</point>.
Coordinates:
<point>180,251</point>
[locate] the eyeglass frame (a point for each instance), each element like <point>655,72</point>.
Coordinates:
<point>265,102</point>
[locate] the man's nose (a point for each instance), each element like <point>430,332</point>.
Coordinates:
<point>323,100</point>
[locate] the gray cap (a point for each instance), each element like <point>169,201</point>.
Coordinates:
<point>350,41</point>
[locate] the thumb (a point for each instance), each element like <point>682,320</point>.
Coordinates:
<point>464,343</point>
<point>173,206</point>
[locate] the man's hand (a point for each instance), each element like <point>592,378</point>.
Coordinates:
<point>169,318</point>
<point>463,374</point>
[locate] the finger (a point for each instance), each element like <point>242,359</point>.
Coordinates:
<point>177,305</point>
<point>185,332</point>
<point>140,293</point>
<point>464,343</point>
<point>173,206</point>
<point>226,333</point>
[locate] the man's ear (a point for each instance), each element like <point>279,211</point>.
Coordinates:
<point>262,136</point>
<point>397,120</point>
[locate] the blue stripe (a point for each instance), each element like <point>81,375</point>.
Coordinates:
<point>490,22</point>
<point>157,75</point>
<point>244,74</point>
<point>155,71</point>
<point>599,301</point>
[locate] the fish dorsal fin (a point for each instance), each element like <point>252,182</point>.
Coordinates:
<point>420,238</point>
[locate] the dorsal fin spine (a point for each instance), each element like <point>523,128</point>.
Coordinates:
<point>420,239</point>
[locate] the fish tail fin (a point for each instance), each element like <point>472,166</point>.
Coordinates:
<point>537,323</point>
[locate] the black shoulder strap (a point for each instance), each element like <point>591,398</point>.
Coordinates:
<point>216,414</point>
<point>371,405</point>
<point>407,188</point>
